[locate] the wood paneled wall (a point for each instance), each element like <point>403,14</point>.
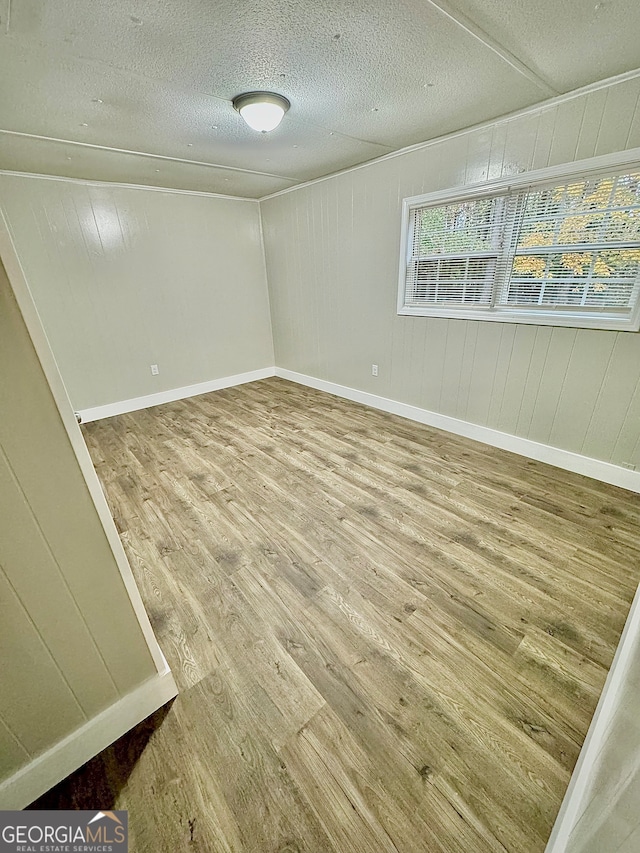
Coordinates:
<point>125,278</point>
<point>332,251</point>
<point>608,818</point>
<point>70,642</point>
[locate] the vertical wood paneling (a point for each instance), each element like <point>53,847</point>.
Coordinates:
<point>345,295</point>
<point>284,268</point>
<point>453,359</point>
<point>614,396</point>
<point>12,754</point>
<point>525,380</point>
<point>412,344</point>
<point>38,706</point>
<point>124,278</point>
<point>519,147</point>
<point>616,119</point>
<point>552,383</point>
<point>498,146</point>
<point>456,155</point>
<point>478,157</point>
<point>37,580</point>
<point>535,373</point>
<point>587,140</point>
<point>569,122</point>
<point>434,356</point>
<point>545,132</point>
<point>627,439</point>
<point>501,371</point>
<point>43,462</point>
<point>70,642</point>
<point>483,373</point>
<point>466,368</point>
<point>583,379</point>
<point>633,139</point>
<point>516,378</point>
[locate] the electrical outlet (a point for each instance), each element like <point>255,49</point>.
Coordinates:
<point>374,369</point>
<point>154,370</point>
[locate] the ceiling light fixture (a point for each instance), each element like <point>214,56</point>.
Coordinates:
<point>262,111</point>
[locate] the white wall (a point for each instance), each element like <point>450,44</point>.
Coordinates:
<point>332,263</point>
<point>124,278</point>
<point>609,818</point>
<point>72,645</point>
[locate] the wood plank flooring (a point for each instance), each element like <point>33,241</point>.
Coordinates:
<point>387,638</point>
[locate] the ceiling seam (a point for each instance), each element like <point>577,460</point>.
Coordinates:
<point>458,18</point>
<point>87,182</point>
<point>71,54</point>
<point>164,157</point>
<point>549,104</point>
<point>484,38</point>
<point>123,69</point>
<point>340,133</point>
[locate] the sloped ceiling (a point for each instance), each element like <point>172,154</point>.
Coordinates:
<point>139,91</point>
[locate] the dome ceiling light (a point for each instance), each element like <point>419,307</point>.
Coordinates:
<point>262,111</point>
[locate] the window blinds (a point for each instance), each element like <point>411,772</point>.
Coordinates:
<point>572,246</point>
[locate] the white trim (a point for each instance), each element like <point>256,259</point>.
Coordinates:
<point>165,157</point>
<point>132,405</point>
<point>49,768</point>
<point>120,185</point>
<point>540,106</point>
<point>41,345</point>
<point>583,775</point>
<point>595,468</point>
<point>568,319</point>
<point>629,158</point>
<point>602,166</point>
<point>406,239</point>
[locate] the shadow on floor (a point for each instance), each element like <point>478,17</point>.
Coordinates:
<point>97,784</point>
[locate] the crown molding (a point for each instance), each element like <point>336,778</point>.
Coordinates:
<point>159,157</point>
<point>541,106</point>
<point>121,185</point>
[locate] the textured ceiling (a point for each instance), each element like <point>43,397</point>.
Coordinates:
<point>140,91</point>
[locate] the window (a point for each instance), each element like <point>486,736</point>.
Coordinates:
<point>551,248</point>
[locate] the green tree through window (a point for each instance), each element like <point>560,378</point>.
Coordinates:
<point>564,250</point>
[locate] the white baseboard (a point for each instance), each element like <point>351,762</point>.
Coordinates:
<point>49,768</point>
<point>586,465</point>
<point>123,406</point>
<point>577,794</point>
<point>595,468</point>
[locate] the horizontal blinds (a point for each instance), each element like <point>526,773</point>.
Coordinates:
<point>577,244</point>
<point>572,245</point>
<point>456,252</point>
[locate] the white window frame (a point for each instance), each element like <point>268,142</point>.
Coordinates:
<point>527,180</point>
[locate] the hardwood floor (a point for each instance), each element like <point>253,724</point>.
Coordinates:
<point>387,638</point>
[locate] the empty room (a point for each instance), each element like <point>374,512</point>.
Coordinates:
<point>320,426</point>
